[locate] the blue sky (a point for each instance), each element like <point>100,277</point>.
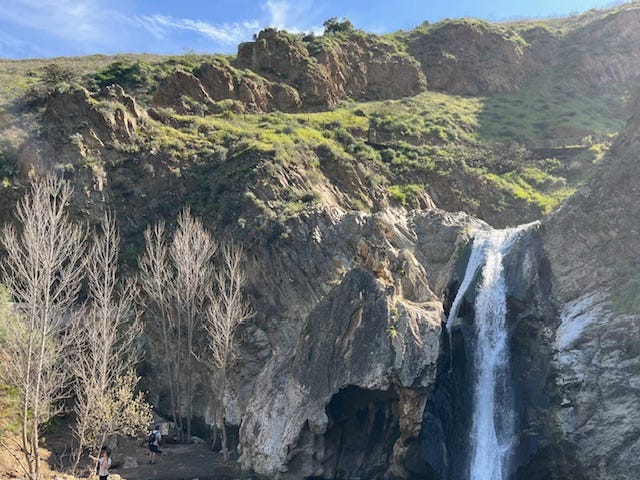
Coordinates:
<point>51,28</point>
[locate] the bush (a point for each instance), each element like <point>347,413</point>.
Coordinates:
<point>333,25</point>
<point>7,167</point>
<point>405,194</point>
<point>54,78</point>
<point>130,75</point>
<point>388,155</point>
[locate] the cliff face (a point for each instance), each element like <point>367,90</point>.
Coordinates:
<point>345,395</point>
<point>471,57</point>
<point>593,244</point>
<point>603,53</point>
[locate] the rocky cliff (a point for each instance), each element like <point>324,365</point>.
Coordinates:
<point>280,71</point>
<point>593,244</point>
<point>470,57</point>
<point>344,396</point>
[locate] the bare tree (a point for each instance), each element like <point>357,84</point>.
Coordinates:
<point>106,352</point>
<point>178,282</point>
<point>43,272</point>
<point>227,310</point>
<point>192,251</point>
<point>156,277</point>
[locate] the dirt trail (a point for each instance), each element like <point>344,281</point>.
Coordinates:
<point>177,462</point>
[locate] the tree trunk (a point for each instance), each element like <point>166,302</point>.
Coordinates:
<point>225,450</point>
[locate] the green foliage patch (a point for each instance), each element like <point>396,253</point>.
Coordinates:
<point>626,300</point>
<point>533,186</point>
<point>407,194</point>
<point>549,108</point>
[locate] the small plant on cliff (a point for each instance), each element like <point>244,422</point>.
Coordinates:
<point>626,300</point>
<point>54,78</point>
<point>405,195</point>
<point>129,75</point>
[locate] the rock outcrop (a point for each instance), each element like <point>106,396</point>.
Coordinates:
<point>361,359</point>
<point>471,57</point>
<point>110,115</point>
<point>82,131</point>
<point>279,71</point>
<point>604,52</point>
<point>198,92</point>
<point>325,72</point>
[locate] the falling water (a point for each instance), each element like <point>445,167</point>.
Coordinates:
<point>493,425</point>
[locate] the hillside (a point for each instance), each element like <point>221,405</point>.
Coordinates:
<point>288,102</point>
<point>352,167</point>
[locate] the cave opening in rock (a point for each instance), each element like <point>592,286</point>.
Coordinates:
<point>363,427</point>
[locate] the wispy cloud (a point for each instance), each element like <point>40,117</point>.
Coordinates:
<point>161,27</point>
<point>281,14</point>
<point>77,20</point>
<point>291,16</point>
<point>73,27</point>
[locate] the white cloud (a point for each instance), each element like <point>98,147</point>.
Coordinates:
<point>291,16</point>
<point>278,12</point>
<point>281,14</point>
<point>85,23</point>
<point>161,26</point>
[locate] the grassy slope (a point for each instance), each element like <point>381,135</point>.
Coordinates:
<point>428,138</point>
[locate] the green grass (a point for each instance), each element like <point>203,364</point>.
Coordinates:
<point>533,186</point>
<point>548,108</point>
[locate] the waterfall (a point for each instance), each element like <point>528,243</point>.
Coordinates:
<point>493,425</point>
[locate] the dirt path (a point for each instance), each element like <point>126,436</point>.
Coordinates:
<point>177,462</point>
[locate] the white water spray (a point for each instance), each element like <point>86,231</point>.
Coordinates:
<point>493,425</point>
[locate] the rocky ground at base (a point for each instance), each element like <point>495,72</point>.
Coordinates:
<point>177,462</point>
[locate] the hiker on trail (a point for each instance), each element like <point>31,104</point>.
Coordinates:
<point>155,438</point>
<point>103,462</point>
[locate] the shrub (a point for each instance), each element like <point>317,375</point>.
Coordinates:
<point>405,194</point>
<point>129,75</point>
<point>333,25</point>
<point>388,155</point>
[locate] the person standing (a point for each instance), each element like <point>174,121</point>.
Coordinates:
<point>155,438</point>
<point>103,462</point>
